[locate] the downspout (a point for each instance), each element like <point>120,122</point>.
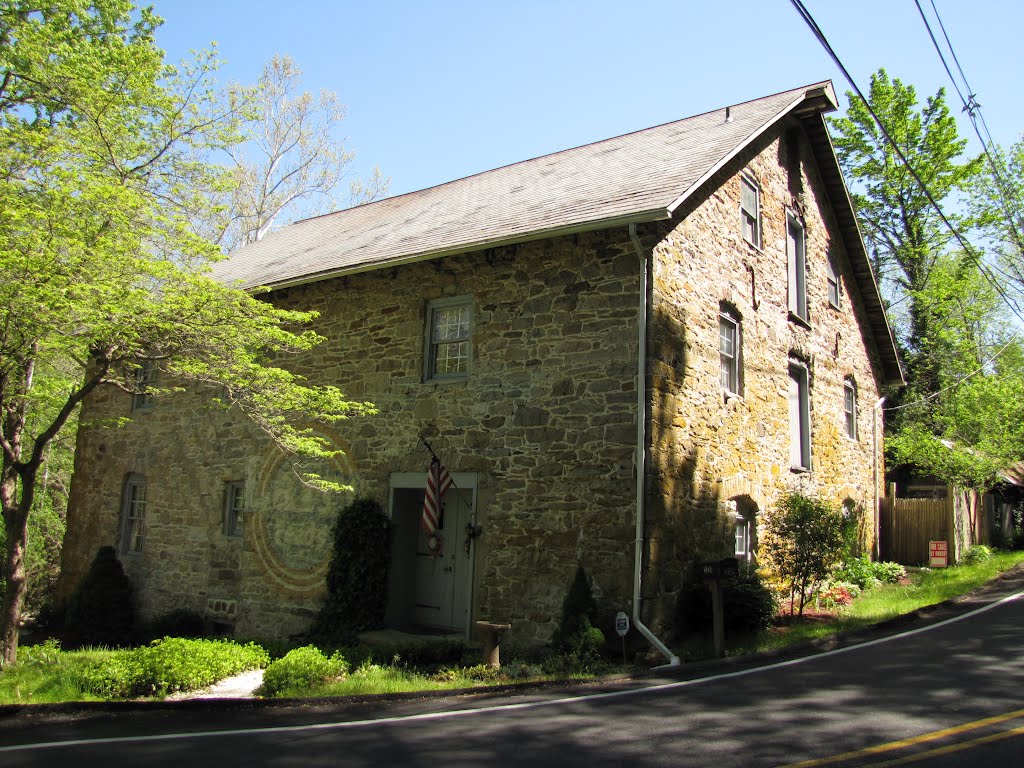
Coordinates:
<point>874,477</point>
<point>641,457</point>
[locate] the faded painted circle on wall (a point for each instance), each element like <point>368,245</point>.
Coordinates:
<point>292,521</point>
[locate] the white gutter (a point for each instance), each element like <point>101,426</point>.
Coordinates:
<point>641,457</point>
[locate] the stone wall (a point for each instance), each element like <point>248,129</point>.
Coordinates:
<point>707,447</point>
<point>546,420</point>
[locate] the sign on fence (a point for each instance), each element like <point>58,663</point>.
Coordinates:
<point>937,554</point>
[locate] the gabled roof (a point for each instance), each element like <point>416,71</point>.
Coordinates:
<point>639,177</point>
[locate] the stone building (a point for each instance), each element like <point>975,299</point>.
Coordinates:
<point>690,306</point>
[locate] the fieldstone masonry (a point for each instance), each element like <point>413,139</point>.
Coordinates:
<point>547,418</point>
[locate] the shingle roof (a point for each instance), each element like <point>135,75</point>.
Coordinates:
<point>638,177</point>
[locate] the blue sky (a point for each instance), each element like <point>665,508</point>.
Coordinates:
<point>439,90</point>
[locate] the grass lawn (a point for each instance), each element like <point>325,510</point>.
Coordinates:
<point>926,587</point>
<point>45,674</point>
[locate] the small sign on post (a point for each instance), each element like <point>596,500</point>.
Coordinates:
<point>622,629</point>
<point>938,554</point>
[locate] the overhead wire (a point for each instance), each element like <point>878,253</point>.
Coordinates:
<point>983,268</point>
<point>967,247</point>
<point>973,110</point>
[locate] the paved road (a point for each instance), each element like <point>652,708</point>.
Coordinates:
<point>948,692</point>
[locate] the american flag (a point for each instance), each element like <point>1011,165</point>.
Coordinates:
<point>438,483</point>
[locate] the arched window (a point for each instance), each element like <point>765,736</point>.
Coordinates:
<point>133,515</point>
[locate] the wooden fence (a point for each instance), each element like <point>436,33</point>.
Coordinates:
<point>909,524</point>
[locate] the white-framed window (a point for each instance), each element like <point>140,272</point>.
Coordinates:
<point>799,417</point>
<point>850,408</point>
<point>750,210</point>
<point>742,547</point>
<point>133,515</point>
<point>449,345</point>
<point>730,347</point>
<point>796,251</point>
<point>234,507</point>
<point>832,277</point>
<point>145,378</point>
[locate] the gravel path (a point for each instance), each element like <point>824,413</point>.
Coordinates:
<point>237,687</point>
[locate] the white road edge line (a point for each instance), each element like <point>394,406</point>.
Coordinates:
<point>507,707</point>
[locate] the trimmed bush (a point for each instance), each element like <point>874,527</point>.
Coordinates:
<point>866,574</point>
<point>578,610</point>
<point>303,668</point>
<point>167,666</point>
<point>357,578</point>
<point>979,553</point>
<point>102,610</point>
<point>748,605</point>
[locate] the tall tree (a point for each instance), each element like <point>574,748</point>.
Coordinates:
<point>956,417</point>
<point>904,231</point>
<point>101,272</point>
<point>292,161</point>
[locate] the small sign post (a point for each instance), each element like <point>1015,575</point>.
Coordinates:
<point>622,629</point>
<point>938,554</point>
<point>713,572</point>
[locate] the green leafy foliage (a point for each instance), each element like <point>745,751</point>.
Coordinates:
<point>803,543</point>
<point>865,573</point>
<point>748,604</point>
<point>302,668</point>
<point>102,610</point>
<point>978,553</point>
<point>168,665</point>
<point>105,166</point>
<point>578,645</point>
<point>357,578</point>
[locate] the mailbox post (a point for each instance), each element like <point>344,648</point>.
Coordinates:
<point>714,572</point>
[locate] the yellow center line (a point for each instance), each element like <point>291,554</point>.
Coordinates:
<point>922,739</point>
<point>950,749</point>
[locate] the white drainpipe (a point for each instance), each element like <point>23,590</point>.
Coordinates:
<point>641,462</point>
<point>874,477</point>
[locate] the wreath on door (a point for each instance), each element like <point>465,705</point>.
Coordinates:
<point>435,543</point>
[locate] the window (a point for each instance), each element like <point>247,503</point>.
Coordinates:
<point>799,417</point>
<point>795,248</point>
<point>449,347</point>
<point>145,378</point>
<point>133,515</point>
<point>750,211</point>
<point>833,282</point>
<point>729,348</point>
<point>234,508</point>
<point>742,548</point>
<point>850,408</point>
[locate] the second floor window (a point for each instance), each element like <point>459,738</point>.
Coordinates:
<point>729,348</point>
<point>797,256</point>
<point>145,379</point>
<point>449,339</point>
<point>750,211</point>
<point>850,408</point>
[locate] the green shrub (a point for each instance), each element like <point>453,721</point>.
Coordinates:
<point>581,654</point>
<point>102,610</point>
<point>302,668</point>
<point>357,577</point>
<point>867,574</point>
<point>979,553</point>
<point>168,665</point>
<point>803,543</point>
<point>748,605</point>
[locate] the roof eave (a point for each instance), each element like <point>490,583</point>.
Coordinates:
<point>640,217</point>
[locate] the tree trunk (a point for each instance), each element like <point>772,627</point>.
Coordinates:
<point>16,524</point>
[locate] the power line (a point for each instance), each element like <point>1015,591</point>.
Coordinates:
<point>967,247</point>
<point>973,110</point>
